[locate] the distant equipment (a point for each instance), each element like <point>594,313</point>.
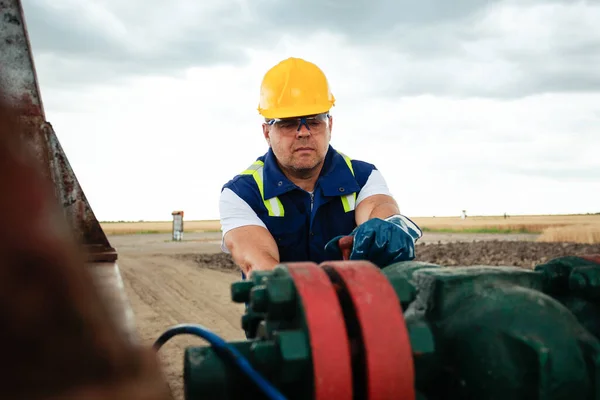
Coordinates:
<point>177,225</point>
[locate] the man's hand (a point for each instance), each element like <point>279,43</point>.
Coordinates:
<point>381,241</point>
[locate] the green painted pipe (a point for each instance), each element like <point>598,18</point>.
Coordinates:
<point>477,332</point>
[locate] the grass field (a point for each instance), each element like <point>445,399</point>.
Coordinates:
<point>512,224</point>
<point>551,228</point>
<point>561,228</point>
<point>147,227</point>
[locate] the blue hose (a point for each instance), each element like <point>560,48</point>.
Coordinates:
<point>223,349</point>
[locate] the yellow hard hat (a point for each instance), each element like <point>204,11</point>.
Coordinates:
<point>293,88</point>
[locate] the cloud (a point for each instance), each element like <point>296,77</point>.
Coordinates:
<point>487,106</point>
<point>468,48</point>
<point>79,42</point>
<point>139,155</point>
<point>504,51</point>
<point>363,20</point>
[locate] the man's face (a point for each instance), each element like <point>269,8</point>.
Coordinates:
<point>300,144</point>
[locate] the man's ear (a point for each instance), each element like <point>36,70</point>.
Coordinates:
<point>266,133</point>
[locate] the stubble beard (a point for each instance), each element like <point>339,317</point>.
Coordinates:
<point>305,172</point>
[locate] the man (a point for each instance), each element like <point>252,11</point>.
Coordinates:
<point>296,201</point>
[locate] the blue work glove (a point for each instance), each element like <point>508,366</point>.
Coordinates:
<point>383,242</point>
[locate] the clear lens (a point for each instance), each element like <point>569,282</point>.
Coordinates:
<point>312,123</point>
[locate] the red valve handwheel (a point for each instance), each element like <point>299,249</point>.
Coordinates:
<point>327,332</point>
<point>387,355</point>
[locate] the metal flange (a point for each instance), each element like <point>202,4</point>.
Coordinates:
<point>382,359</point>
<point>329,345</point>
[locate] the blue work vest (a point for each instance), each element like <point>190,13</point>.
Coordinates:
<point>301,233</point>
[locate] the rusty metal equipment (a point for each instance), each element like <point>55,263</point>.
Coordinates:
<point>63,311</point>
<point>412,330</point>
<point>62,341</point>
<point>18,80</point>
<point>20,90</point>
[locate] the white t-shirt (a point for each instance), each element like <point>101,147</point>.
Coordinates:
<point>235,212</point>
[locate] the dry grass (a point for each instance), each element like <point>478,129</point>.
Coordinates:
<point>128,228</point>
<point>498,224</point>
<point>582,233</point>
<point>565,228</point>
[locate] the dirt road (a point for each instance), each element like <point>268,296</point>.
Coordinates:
<point>168,283</point>
<point>164,291</point>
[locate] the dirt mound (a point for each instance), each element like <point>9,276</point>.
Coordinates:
<point>220,261</point>
<point>520,254</point>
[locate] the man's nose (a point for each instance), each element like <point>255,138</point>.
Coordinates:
<point>302,131</point>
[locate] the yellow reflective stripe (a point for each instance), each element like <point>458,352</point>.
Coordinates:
<point>253,168</point>
<point>274,205</point>
<point>269,209</point>
<point>259,182</point>
<point>348,162</point>
<point>349,200</point>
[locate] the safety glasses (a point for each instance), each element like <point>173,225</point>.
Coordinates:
<point>316,122</point>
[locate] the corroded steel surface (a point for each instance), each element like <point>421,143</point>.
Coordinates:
<point>72,198</point>
<point>17,70</point>
<point>62,338</point>
<point>19,86</point>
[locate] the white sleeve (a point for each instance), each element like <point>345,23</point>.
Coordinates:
<point>375,185</point>
<point>235,212</point>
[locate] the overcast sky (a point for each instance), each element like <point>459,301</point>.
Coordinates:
<point>488,106</point>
